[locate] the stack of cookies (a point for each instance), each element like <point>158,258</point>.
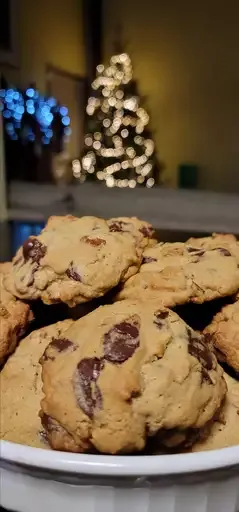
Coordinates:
<point>121,371</point>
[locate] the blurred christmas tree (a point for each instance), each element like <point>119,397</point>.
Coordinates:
<point>119,149</point>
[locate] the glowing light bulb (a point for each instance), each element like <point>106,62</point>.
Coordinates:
<point>150,182</point>
<point>106,123</point>
<point>100,68</point>
<point>76,168</point>
<point>97,136</point>
<point>119,94</point>
<point>124,133</point>
<point>88,141</point>
<point>112,101</point>
<point>110,182</point>
<point>97,144</point>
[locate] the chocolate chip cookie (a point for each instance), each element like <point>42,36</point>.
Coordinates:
<point>20,387</point>
<point>224,331</point>
<point>73,260</point>
<point>225,430</point>
<point>125,373</point>
<point>176,273</point>
<point>15,317</point>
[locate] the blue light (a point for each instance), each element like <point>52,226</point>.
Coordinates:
<point>30,110</point>
<point>51,102</point>
<point>16,96</point>
<point>31,137</point>
<point>49,118</point>
<point>9,127</point>
<point>45,110</point>
<point>63,111</point>
<point>10,93</point>
<point>10,104</point>
<point>30,103</point>
<point>36,95</point>
<point>30,92</point>
<point>14,136</point>
<point>17,116</point>
<point>7,114</point>
<point>67,131</point>
<point>2,93</point>
<point>17,124</point>
<point>66,120</point>
<point>49,133</point>
<point>20,109</point>
<point>45,140</point>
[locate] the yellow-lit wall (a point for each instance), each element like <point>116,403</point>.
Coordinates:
<point>50,31</point>
<point>185,58</point>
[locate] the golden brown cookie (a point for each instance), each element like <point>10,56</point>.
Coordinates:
<point>21,387</point>
<point>224,331</point>
<point>176,273</point>
<point>15,317</point>
<point>224,431</point>
<point>125,373</point>
<point>73,260</point>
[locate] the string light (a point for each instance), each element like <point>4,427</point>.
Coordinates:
<point>16,107</point>
<point>121,116</point>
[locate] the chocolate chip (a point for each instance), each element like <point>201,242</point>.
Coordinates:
<point>198,349</point>
<point>205,376</point>
<point>148,259</point>
<point>61,344</point>
<point>121,342</point>
<point>196,251</point>
<point>193,249</point>
<point>118,226</point>
<point>72,273</point>
<point>222,251</point>
<point>159,317</point>
<point>47,422</point>
<point>147,231</point>
<point>96,242</point>
<point>33,249</point>
<point>88,394</point>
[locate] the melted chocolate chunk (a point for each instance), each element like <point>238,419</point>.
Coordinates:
<point>48,422</point>
<point>194,249</point>
<point>88,394</point>
<point>159,317</point>
<point>198,348</point>
<point>96,242</point>
<point>72,273</point>
<point>147,231</point>
<point>118,226</point>
<point>222,251</point>
<point>61,344</point>
<point>121,342</point>
<point>33,249</point>
<point>148,259</point>
<point>205,376</point>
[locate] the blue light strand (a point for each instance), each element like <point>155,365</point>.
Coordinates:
<point>14,104</point>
